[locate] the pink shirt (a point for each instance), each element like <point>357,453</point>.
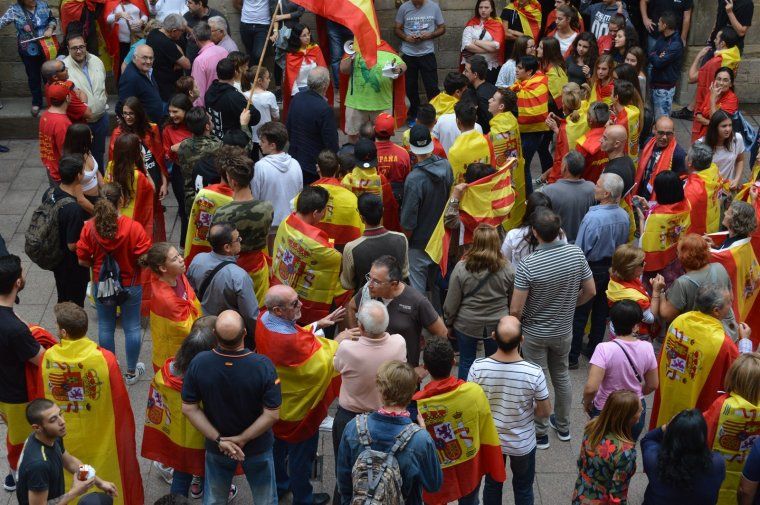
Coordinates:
<point>358,362</point>
<point>618,373</point>
<point>204,69</point>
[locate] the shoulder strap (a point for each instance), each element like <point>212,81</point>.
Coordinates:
<point>210,276</point>
<point>479,285</point>
<point>630,362</point>
<point>361,427</point>
<point>403,437</point>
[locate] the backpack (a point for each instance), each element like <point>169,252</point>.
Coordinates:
<point>110,292</point>
<point>376,475</point>
<point>42,242</point>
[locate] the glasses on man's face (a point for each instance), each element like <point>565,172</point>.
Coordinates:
<point>76,49</point>
<point>238,239</point>
<point>291,305</point>
<point>374,282</point>
<point>665,134</point>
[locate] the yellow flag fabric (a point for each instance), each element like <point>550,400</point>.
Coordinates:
<point>714,185</point>
<point>662,229</point>
<point>171,318</point>
<point>731,57</point>
<point>505,139</point>
<point>443,103</point>
<point>632,124</point>
<point>557,79</point>
<point>341,222</point>
<point>205,205</point>
<point>743,193</point>
<point>85,382</point>
<point>469,147</point>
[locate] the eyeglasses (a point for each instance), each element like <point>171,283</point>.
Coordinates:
<point>374,282</point>
<point>665,134</point>
<point>128,114</point>
<point>291,305</point>
<point>78,48</point>
<point>239,239</point>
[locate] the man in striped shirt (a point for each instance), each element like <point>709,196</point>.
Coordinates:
<point>549,284</point>
<point>516,391</point>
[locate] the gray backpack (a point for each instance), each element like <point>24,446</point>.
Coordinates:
<point>376,476</point>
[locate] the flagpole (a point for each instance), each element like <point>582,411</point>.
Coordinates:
<point>277,9</point>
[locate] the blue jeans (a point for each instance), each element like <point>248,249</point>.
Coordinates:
<point>292,465</point>
<point>535,143</point>
<point>181,483</point>
<point>254,39</point>
<point>637,428</point>
<point>33,67</point>
<point>468,347</point>
<point>338,35</point>
<point>99,131</point>
<point>523,472</point>
<point>130,321</point>
<point>662,101</point>
<point>420,269</point>
<point>259,472</point>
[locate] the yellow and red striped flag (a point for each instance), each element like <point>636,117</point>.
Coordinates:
<point>171,317</point>
<point>662,229</point>
<point>532,103</point>
<point>140,206</point>
<point>530,17</point>
<point>487,200</point>
<point>309,382</point>
<point>206,203</point>
<point>341,222</point>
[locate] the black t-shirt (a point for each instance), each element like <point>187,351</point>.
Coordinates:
<point>234,387</point>
<point>166,54</point>
<point>512,18</point>
<point>625,168</point>
<point>743,10</point>
<point>655,9</point>
<point>71,218</point>
<point>17,346</point>
<point>41,469</point>
<point>191,48</point>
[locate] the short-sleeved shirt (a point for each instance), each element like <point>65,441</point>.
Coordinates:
<point>234,388</point>
<point>71,218</point>
<point>252,219</point>
<point>512,388</point>
<point>743,10</point>
<point>17,346</point>
<point>752,467</point>
<point>552,275</point>
<point>416,21</point>
<point>625,168</point>
<point>166,54</point>
<point>655,8</point>
<point>40,469</point>
<point>618,372</point>
<point>368,89</point>
<point>408,314</point>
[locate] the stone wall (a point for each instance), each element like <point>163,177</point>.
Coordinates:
<point>456,14</point>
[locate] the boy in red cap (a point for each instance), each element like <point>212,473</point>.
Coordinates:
<point>53,125</point>
<point>392,160</point>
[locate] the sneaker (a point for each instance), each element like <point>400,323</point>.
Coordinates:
<point>10,483</point>
<point>542,442</point>
<point>683,113</point>
<point>131,378</point>
<point>562,435</point>
<point>233,493</point>
<point>165,472</point>
<point>196,487</point>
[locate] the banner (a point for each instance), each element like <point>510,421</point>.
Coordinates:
<point>171,318</point>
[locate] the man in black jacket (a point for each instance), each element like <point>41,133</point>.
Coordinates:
<point>224,103</point>
<point>311,124</point>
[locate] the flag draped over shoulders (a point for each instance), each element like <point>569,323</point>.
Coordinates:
<point>532,102</point>
<point>530,17</point>
<point>206,203</point>
<point>140,205</point>
<point>341,222</point>
<point>257,264</point>
<point>309,382</point>
<point>469,147</point>
<point>293,62</point>
<point>505,140</point>
<point>85,382</point>
<point>368,180</point>
<point>601,92</point>
<point>662,229</point>
<point>630,117</point>
<point>664,162</point>
<point>703,189</point>
<point>171,317</point>
<point>495,28</point>
<point>567,136</point>
<point>458,417</point>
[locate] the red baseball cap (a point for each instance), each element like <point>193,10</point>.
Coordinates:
<point>385,125</point>
<point>57,92</point>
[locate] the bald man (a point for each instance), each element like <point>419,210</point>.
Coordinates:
<point>660,153</point>
<point>137,80</point>
<point>614,143</point>
<point>516,390</point>
<point>232,396</point>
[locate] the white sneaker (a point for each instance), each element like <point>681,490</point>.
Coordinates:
<point>165,472</point>
<point>233,493</point>
<point>196,487</point>
<point>132,378</point>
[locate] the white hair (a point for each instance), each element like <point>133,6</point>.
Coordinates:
<point>613,184</point>
<point>373,316</point>
<point>219,22</point>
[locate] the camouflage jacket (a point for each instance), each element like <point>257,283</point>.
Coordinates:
<point>252,219</point>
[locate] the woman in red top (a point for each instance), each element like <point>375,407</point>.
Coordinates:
<point>126,241</point>
<point>174,133</point>
<point>132,119</point>
<point>721,97</point>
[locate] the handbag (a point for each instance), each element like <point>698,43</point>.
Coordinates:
<point>630,362</point>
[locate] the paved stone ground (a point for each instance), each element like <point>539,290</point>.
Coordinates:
<point>22,184</point>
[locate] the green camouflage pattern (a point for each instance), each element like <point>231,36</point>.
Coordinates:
<point>252,219</point>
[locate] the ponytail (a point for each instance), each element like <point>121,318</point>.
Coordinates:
<point>106,212</point>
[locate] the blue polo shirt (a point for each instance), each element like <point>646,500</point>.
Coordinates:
<point>234,387</point>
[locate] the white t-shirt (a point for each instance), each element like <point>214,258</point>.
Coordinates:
<point>511,389</point>
<point>135,18</point>
<point>255,12</point>
<point>446,130</point>
<point>515,247</point>
<point>266,104</point>
<point>165,7</point>
<point>564,44</point>
<point>472,33</point>
<point>725,159</point>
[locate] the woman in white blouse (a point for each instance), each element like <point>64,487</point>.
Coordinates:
<point>728,147</point>
<point>520,242</point>
<point>484,35</point>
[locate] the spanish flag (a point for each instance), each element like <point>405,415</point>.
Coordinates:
<point>602,92</point>
<point>532,103</point>
<point>341,222</point>
<point>443,103</point>
<point>495,28</point>
<point>458,417</point>
<point>505,140</point>
<point>469,147</point>
<point>661,232</point>
<point>742,262</point>
<point>693,362</point>
<point>703,189</point>
<point>257,264</point>
<point>590,146</point>
<point>305,259</point>
<point>309,382</point>
<point>140,206</point>
<point>293,62</point>
<point>567,137</point>
<point>743,193</point>
<point>723,58</point>
<point>50,47</point>
<point>487,200</point>
<point>205,205</point>
<point>664,162</point>
<point>171,317</point>
<point>618,290</point>
<point>630,117</point>
<point>85,382</point>
<point>530,17</point>
<point>368,180</point>
<point>733,425</point>
<point>168,437</point>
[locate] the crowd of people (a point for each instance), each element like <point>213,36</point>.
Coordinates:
<point>364,279</point>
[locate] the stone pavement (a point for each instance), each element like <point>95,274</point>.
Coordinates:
<point>22,184</point>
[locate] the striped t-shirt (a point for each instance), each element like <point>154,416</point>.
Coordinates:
<point>512,388</point>
<point>552,275</point>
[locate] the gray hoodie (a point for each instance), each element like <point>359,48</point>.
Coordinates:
<point>426,191</point>
<point>277,178</point>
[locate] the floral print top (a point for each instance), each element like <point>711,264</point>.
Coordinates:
<point>29,24</point>
<point>604,472</point>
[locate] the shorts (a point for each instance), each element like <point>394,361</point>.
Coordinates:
<point>356,118</point>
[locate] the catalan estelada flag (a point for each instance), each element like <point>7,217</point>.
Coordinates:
<point>205,205</point>
<point>309,382</point>
<point>693,362</point>
<point>742,262</point>
<point>662,229</point>
<point>341,221</point>
<point>85,382</point>
<point>505,140</point>
<point>703,189</point>
<point>357,15</point>
<point>532,103</point>
<point>733,425</point>
<point>140,206</point>
<point>458,417</point>
<point>171,317</point>
<point>168,437</point>
<point>257,264</point>
<point>530,17</point>
<point>304,259</point>
<point>487,200</point>
<point>368,180</point>
<point>469,147</point>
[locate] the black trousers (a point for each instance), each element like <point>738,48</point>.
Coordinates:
<point>71,282</point>
<point>424,66</point>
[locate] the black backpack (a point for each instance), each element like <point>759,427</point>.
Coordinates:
<point>42,242</point>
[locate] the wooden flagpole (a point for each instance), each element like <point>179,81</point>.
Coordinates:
<point>277,10</point>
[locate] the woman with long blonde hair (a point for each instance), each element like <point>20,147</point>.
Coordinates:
<point>479,292</point>
<point>602,82</point>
